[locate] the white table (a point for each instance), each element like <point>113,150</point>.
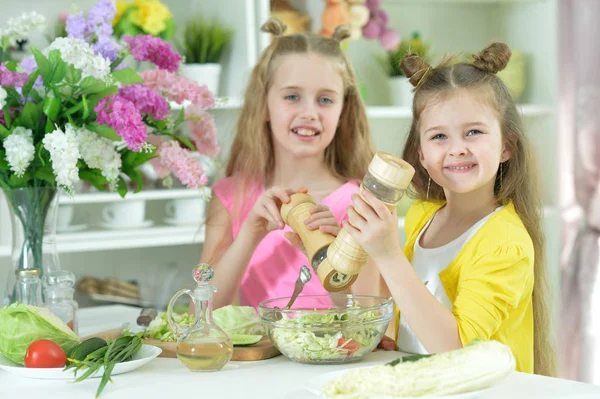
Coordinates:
<point>276,378</point>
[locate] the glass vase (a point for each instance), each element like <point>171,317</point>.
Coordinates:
<point>33,220</point>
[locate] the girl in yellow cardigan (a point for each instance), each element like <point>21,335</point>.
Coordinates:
<point>473,264</point>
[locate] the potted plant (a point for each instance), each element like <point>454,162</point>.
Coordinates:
<point>202,47</point>
<point>401,89</point>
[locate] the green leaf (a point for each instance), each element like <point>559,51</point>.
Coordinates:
<point>136,177</point>
<point>104,131</point>
<point>49,128</point>
<point>73,75</point>
<point>58,68</point>
<point>169,30</point>
<point>127,76</point>
<point>51,107</point>
<point>94,177</point>
<point>42,63</point>
<point>3,162</point>
<point>30,116</point>
<point>91,85</point>
<point>187,142</point>
<point>39,150</point>
<point>122,187</point>
<point>18,182</point>
<point>30,82</point>
<point>7,118</point>
<point>74,108</point>
<point>4,132</point>
<point>45,174</point>
<point>95,99</point>
<point>86,108</point>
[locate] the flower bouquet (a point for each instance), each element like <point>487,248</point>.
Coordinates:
<point>73,112</point>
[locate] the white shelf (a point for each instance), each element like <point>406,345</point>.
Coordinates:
<point>160,236</point>
<point>94,198</point>
<point>4,250</point>
<point>375,112</point>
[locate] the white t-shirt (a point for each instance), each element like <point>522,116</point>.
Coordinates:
<point>428,264</point>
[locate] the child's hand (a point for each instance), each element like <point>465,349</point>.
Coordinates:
<point>321,218</point>
<point>387,344</point>
<point>374,227</point>
<point>265,215</point>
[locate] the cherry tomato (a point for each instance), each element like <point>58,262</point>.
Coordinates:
<point>45,354</point>
<point>351,346</point>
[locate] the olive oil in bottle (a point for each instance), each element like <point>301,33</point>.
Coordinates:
<point>207,354</point>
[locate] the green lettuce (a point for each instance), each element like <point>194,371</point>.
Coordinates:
<point>20,325</point>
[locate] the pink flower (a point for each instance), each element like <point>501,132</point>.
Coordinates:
<point>371,30</point>
<point>12,79</point>
<point>204,131</point>
<point>389,39</point>
<point>121,115</point>
<point>155,50</point>
<point>146,101</point>
<point>183,164</point>
<point>178,88</point>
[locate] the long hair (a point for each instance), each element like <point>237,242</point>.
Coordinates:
<point>515,179</point>
<point>351,150</point>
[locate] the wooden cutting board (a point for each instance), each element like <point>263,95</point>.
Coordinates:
<point>262,350</point>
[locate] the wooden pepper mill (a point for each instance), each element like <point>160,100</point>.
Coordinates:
<point>315,242</point>
<point>338,261</point>
<point>387,179</point>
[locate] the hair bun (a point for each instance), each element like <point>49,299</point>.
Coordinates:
<point>274,26</point>
<point>414,68</point>
<point>493,58</point>
<point>341,32</point>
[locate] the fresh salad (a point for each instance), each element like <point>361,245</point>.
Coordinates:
<point>328,338</point>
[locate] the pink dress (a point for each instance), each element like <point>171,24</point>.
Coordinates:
<point>274,266</point>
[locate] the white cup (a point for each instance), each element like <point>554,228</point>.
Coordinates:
<point>187,209</point>
<point>64,216</point>
<point>124,213</point>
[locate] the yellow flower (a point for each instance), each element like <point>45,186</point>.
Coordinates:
<point>121,8</point>
<point>150,15</point>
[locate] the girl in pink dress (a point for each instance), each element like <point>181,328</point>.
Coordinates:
<point>302,128</point>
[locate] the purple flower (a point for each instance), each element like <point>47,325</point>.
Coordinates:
<point>146,101</point>
<point>107,49</point>
<point>121,115</point>
<point>28,65</point>
<point>12,79</point>
<point>77,26</point>
<point>102,12</point>
<point>155,50</point>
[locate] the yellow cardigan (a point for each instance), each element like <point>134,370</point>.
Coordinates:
<point>490,282</point>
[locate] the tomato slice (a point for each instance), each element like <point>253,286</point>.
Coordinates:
<point>44,353</point>
<point>351,345</point>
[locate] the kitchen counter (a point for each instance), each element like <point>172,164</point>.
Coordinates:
<point>276,378</point>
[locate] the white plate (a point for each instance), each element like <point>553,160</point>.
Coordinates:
<point>146,354</point>
<point>316,388</point>
<point>111,226</point>
<point>71,228</point>
<point>179,222</point>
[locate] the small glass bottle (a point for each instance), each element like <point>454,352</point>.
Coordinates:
<point>59,289</point>
<point>204,346</point>
<point>28,288</point>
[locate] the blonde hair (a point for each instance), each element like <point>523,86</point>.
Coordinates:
<point>351,150</point>
<point>515,178</point>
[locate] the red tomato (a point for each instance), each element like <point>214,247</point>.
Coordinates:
<point>45,354</point>
<point>351,346</point>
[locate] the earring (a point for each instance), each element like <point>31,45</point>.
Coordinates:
<point>428,186</point>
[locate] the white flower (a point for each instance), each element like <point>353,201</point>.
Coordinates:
<point>20,27</point>
<point>100,153</point>
<point>19,150</point>
<point>79,54</point>
<point>3,95</point>
<point>64,154</point>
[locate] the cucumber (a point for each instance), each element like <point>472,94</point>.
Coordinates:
<point>245,339</point>
<point>86,347</point>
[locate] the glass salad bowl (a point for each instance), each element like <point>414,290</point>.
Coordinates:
<point>334,328</point>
